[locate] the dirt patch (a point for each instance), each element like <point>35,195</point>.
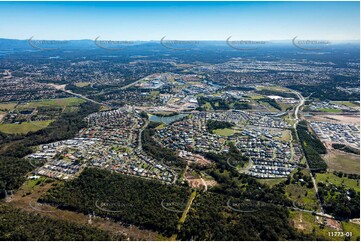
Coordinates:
<point>334,118</point>
<point>2,115</point>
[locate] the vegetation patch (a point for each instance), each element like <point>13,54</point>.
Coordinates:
<point>148,204</point>
<point>215,124</point>
<point>19,225</point>
<point>217,217</point>
<point>346,148</point>
<point>312,147</point>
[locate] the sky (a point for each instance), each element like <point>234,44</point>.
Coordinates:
<point>180,20</point>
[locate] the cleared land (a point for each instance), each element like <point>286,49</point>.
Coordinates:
<point>341,161</point>
<point>24,127</point>
<point>7,106</point>
<point>306,222</point>
<point>337,118</point>
<point>2,115</point>
<point>329,110</point>
<point>82,84</point>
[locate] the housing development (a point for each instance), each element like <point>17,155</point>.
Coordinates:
<point>180,139</point>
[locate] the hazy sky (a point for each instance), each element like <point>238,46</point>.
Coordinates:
<point>180,20</point>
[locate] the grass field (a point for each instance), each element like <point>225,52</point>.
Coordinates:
<point>347,103</point>
<point>286,135</point>
<point>331,178</point>
<point>7,106</point>
<point>272,88</point>
<point>351,227</point>
<point>255,96</point>
<point>224,132</point>
<point>60,102</point>
<point>285,106</point>
<point>82,84</point>
<point>329,110</point>
<point>24,127</point>
<point>303,196</point>
<point>345,162</point>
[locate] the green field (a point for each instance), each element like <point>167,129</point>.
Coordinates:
<point>347,103</point>
<point>224,132</point>
<point>303,196</point>
<point>7,106</point>
<point>255,96</point>
<point>24,127</point>
<point>331,178</point>
<point>352,227</point>
<point>329,110</point>
<point>82,84</point>
<point>60,102</point>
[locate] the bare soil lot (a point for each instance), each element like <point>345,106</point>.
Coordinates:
<point>341,161</point>
<point>334,118</point>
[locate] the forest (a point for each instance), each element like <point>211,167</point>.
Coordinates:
<point>222,103</point>
<point>219,217</point>
<point>346,148</point>
<point>215,124</point>
<point>17,225</point>
<point>271,102</point>
<point>341,202</point>
<point>312,147</point>
<point>131,200</point>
